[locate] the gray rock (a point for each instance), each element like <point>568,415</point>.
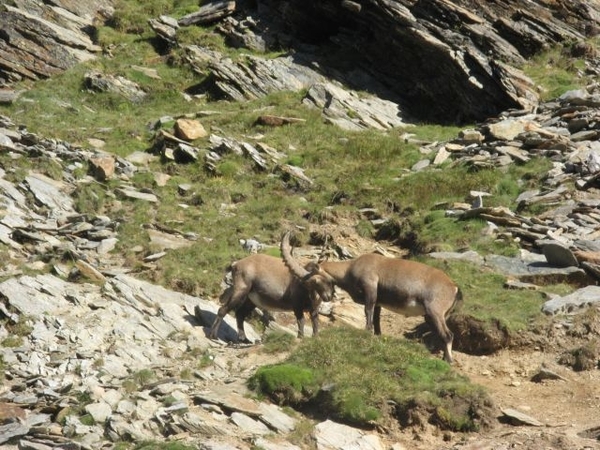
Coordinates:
<point>273,416</point>
<point>49,192</point>
<point>265,444</point>
<point>518,418</point>
<point>536,271</point>
<point>99,411</point>
<point>330,435</point>
<point>249,425</point>
<point>351,111</point>
<point>573,303</point>
<point>559,255</point>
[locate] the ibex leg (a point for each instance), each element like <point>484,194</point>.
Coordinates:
<point>299,313</point>
<point>370,294</point>
<point>240,316</point>
<point>439,322</point>
<point>232,299</point>
<point>377,320</point>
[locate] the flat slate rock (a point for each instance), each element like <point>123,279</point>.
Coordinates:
<point>572,303</point>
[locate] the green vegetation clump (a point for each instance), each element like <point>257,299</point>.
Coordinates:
<point>361,379</point>
<point>17,331</point>
<point>288,383</point>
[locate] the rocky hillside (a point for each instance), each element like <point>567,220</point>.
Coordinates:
<point>453,62</point>
<point>90,335</point>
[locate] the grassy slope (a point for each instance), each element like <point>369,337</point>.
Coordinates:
<point>366,169</point>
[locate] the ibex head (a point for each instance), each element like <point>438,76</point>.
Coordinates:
<point>311,275</point>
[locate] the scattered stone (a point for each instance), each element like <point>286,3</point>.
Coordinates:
<point>102,167</point>
<point>574,302</point>
<point>330,435</point>
<point>559,255</point>
<point>251,245</point>
<point>118,85</point>
<point>189,129</point>
<point>277,121</point>
<point>249,425</point>
<point>516,417</point>
<point>545,373</point>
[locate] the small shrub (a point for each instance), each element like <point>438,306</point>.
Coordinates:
<point>12,341</point>
<point>143,377</point>
<point>229,169</point>
<point>586,357</point>
<point>302,435</point>
<point>87,419</point>
<point>129,386</point>
<point>365,229</point>
<point>207,359</point>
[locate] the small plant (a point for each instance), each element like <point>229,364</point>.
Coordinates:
<point>130,386</point>
<point>143,377</point>
<point>17,331</point>
<point>586,357</point>
<point>87,419</point>
<point>186,374</point>
<point>12,341</point>
<point>302,435</point>
<point>169,400</point>
<point>2,369</point>
<point>98,363</point>
<point>365,229</point>
<point>207,359</point>
<point>138,380</point>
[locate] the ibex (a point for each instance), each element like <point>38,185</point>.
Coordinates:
<point>267,282</point>
<point>405,287</point>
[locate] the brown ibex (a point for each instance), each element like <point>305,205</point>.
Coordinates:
<point>405,287</point>
<point>267,282</point>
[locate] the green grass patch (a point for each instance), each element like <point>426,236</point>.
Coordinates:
<point>486,298</point>
<point>556,71</point>
<point>353,376</point>
<point>278,342</point>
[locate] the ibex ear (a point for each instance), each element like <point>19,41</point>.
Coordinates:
<point>313,268</point>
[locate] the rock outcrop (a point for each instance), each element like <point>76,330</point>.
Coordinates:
<point>41,39</point>
<point>451,61</point>
<point>442,61</point>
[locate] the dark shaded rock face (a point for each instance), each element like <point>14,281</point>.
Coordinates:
<point>452,62</point>
<point>38,40</point>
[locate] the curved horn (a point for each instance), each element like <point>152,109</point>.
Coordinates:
<point>292,264</point>
<point>323,256</point>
